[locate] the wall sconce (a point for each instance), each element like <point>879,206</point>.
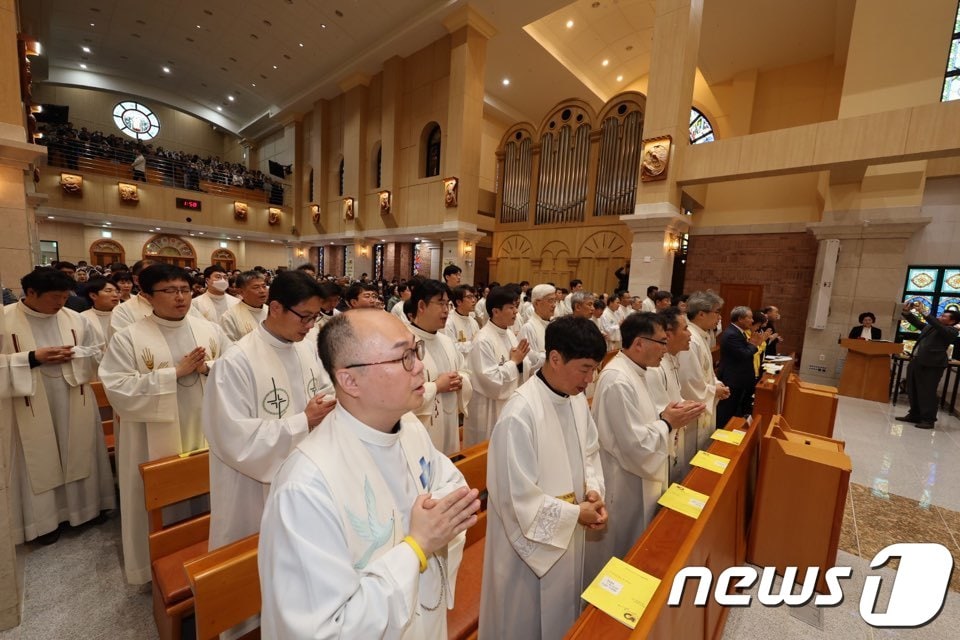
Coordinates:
<point>348,209</point>
<point>673,243</point>
<point>451,188</point>
<point>385,203</point>
<point>315,213</point>
<point>32,47</point>
<point>467,248</point>
<point>300,252</point>
<point>36,108</point>
<point>363,250</point>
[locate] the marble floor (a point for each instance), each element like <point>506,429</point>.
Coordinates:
<point>905,487</point>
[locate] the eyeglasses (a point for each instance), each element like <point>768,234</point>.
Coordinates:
<point>443,303</point>
<point>407,359</point>
<point>662,343</point>
<point>304,319</point>
<point>172,291</point>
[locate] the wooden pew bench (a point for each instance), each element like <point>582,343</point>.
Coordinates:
<point>226,588</point>
<point>167,482</point>
<point>464,619</point>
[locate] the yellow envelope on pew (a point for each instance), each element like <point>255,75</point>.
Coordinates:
<point>730,437</point>
<point>683,500</point>
<point>621,591</point>
<point>710,462</point>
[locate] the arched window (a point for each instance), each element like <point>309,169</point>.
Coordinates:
<point>377,166</point>
<point>951,79</point>
<point>340,178</point>
<point>432,151</point>
<point>700,128</point>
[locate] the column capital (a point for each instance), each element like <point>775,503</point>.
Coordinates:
<point>469,17</point>
<point>893,227</point>
<point>658,216</point>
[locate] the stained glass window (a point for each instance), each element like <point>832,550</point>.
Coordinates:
<point>935,289</point>
<point>700,128</point>
<point>377,262</point>
<point>951,280</point>
<point>320,257</point>
<point>922,279</point>
<point>951,79</point>
<point>417,260</point>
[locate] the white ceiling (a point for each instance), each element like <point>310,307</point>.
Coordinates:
<point>235,47</point>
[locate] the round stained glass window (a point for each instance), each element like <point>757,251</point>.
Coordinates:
<point>136,120</point>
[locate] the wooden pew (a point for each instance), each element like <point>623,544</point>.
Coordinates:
<point>717,540</point>
<point>167,482</point>
<point>226,588</point>
<point>770,392</point>
<point>808,409</point>
<point>105,410</point>
<point>464,619</point>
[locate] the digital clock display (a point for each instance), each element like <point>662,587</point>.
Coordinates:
<point>186,203</point>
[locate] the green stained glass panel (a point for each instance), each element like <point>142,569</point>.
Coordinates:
<point>951,89</point>
<point>951,281</point>
<point>922,280</point>
<point>925,302</point>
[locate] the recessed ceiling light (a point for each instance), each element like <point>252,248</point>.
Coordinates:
<point>200,232</point>
<point>253,84</point>
<point>569,24</point>
<point>93,24</point>
<point>619,78</point>
<point>506,82</point>
<point>274,66</point>
<point>107,223</point>
<point>323,26</point>
<point>605,62</point>
<point>49,217</point>
<point>192,235</point>
<point>198,26</point>
<point>230,98</point>
<point>166,69</point>
<point>301,44</point>
<point>219,108</point>
<point>85,49</point>
<point>83,66</point>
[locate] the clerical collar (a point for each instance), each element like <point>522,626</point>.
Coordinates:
<point>163,322</point>
<point>251,306</point>
<point>460,314</point>
<point>33,312</point>
<point>544,380</point>
<point>102,313</point>
<point>396,428</point>
<point>419,328</point>
<point>275,336</point>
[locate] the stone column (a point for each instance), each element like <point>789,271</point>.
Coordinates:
<point>869,277</point>
<point>355,90</point>
<point>454,251</point>
<point>651,258</point>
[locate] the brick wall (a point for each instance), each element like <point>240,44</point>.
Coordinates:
<point>783,263</point>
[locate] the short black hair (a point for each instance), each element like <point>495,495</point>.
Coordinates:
<point>671,318</point>
<point>46,279</point>
<point>662,295</point>
<point>290,288</point>
<point>425,291</point>
<point>574,283</point>
<point>642,323</point>
<point>498,298</point>
<point>353,291</point>
<point>59,266</point>
<point>574,338</point>
<point>330,289</point>
<point>161,272</point>
<point>598,304</point>
<point>118,266</point>
<point>307,267</point>
<point>140,265</point>
<point>212,269</point>
<point>451,270</point>
<point>866,314</point>
<point>336,337</point>
<point>953,313</point>
<point>652,288</point>
<point>95,285</point>
<point>610,300</point>
<point>459,293</point>
<point>121,276</point>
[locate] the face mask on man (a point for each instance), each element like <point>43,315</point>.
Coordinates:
<point>220,285</point>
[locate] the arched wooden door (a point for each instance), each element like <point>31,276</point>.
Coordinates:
<point>105,252</point>
<point>171,250</point>
<point>225,258</point>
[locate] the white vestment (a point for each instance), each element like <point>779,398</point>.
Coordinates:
<point>634,448</point>
<point>60,469</point>
<point>664,385</point>
<point>698,381</point>
<point>332,559</point>
<point>241,319</point>
<point>398,311</point>
<point>480,312</point>
<point>212,307</point>
<point>463,331</point>
<point>526,311</point>
<point>542,461</point>
<point>494,376</point>
<point>648,305</point>
<point>137,307</point>
<point>101,323</point>
<point>534,331</point>
<point>253,418</point>
<point>610,325</point>
<point>158,415</point>
<point>440,412</point>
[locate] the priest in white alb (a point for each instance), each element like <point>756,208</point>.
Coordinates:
<point>155,372</point>
<point>546,488</point>
<point>698,379</point>
<point>241,319</point>
<point>363,528</point>
<point>462,326</point>
<point>60,470</point>
<point>543,301</point>
<point>610,322</point>
<point>215,302</point>
<point>138,307</point>
<point>104,297</point>
<point>635,438</point>
<point>496,366</point>
<point>263,398</point>
<point>447,389</point>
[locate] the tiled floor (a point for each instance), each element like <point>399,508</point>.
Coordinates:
<point>905,487</point>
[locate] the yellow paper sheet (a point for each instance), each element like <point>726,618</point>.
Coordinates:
<point>621,591</point>
<point>683,500</point>
<point>730,437</point>
<point>711,462</point>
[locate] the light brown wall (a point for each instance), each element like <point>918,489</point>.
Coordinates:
<point>797,94</point>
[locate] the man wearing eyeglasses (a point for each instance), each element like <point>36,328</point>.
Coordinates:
<point>461,326</point>
<point>635,438</point>
<point>155,373</point>
<point>265,396</point>
<point>362,532</point>
<point>447,389</point>
<point>698,380</point>
<point>544,300</point>
<point>241,319</point>
<point>140,305</point>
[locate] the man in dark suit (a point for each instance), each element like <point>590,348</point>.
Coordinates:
<point>773,315</point>
<point>927,363</point>
<point>736,365</point>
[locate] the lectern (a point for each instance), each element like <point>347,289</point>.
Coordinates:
<point>801,493</point>
<point>866,374</point>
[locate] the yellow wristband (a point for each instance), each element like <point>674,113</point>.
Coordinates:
<point>417,550</point>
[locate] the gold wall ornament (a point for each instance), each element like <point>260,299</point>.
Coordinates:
<point>128,192</point>
<point>451,188</point>
<point>273,216</point>
<point>655,158</point>
<point>385,203</point>
<point>315,213</point>
<point>240,211</point>
<point>348,209</point>
<point>71,183</point>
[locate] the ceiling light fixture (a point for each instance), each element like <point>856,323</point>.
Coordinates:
<point>619,78</point>
<point>253,84</point>
<point>83,66</point>
<point>506,82</point>
<point>49,217</point>
<point>569,24</point>
<point>93,24</point>
<point>85,49</point>
<point>274,66</point>
<point>230,98</point>
<point>166,69</point>
<point>323,26</point>
<point>198,26</point>
<point>605,62</point>
<point>219,108</point>
<point>301,44</point>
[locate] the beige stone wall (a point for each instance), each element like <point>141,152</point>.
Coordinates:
<point>93,109</point>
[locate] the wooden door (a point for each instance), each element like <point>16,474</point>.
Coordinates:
<point>736,295</point>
